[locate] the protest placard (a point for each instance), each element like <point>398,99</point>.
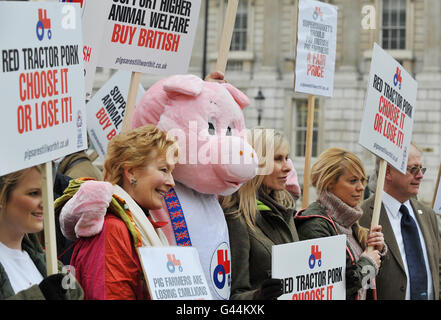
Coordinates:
<point>312,269</point>
<point>314,65</point>
<point>387,123</point>
<point>42,73</point>
<point>93,18</point>
<point>105,111</point>
<point>150,36</point>
<point>316,46</point>
<point>174,273</point>
<point>386,127</point>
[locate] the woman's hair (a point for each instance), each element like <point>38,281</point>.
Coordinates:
<point>136,148</point>
<point>331,164</point>
<point>9,182</point>
<point>266,142</point>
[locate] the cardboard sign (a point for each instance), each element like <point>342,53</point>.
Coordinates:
<point>93,18</point>
<point>41,76</point>
<point>312,269</point>
<point>386,128</point>
<point>316,45</point>
<point>150,36</point>
<point>174,273</point>
<point>105,111</point>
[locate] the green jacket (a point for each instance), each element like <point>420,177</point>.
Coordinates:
<point>313,222</point>
<point>251,249</point>
<point>32,246</point>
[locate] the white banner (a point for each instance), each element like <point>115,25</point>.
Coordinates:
<point>41,76</point>
<point>311,269</point>
<point>105,111</point>
<point>386,127</point>
<point>174,273</point>
<point>154,37</point>
<point>316,46</point>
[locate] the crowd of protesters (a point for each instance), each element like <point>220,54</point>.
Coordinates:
<point>95,233</point>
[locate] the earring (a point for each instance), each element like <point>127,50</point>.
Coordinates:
<point>133,182</point>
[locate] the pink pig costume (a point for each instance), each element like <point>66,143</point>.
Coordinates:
<point>215,158</point>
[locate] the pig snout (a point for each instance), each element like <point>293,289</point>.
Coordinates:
<point>239,161</point>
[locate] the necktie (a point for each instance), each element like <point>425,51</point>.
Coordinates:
<point>414,256</point>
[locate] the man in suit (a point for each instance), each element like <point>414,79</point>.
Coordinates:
<point>411,268</point>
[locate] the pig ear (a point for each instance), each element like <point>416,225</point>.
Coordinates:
<point>240,97</point>
<point>188,84</point>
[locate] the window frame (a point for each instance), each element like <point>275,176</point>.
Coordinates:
<point>404,56</point>
<point>244,56</point>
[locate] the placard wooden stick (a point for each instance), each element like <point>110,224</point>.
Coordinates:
<point>131,100</point>
<point>378,195</point>
<point>227,33</point>
<point>50,241</point>
<point>308,150</point>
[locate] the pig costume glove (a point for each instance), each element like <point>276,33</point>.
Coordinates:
<point>83,215</point>
<point>52,288</point>
<point>270,289</point>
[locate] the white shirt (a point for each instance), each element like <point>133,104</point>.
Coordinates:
<point>209,234</point>
<point>393,212</point>
<point>19,267</point>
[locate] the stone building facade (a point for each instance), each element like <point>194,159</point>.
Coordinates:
<point>262,57</point>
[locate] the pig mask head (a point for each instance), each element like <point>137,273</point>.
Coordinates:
<point>207,120</point>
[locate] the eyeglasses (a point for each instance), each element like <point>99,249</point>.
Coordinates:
<point>416,169</point>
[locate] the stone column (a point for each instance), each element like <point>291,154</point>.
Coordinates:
<point>271,36</point>
<point>432,36</point>
<point>350,49</point>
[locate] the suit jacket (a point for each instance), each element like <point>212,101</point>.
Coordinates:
<point>392,282</point>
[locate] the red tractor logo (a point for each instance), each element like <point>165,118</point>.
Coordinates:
<point>398,78</point>
<point>42,24</point>
<point>315,256</point>
<point>317,13</point>
<point>172,263</point>
<point>222,269</point>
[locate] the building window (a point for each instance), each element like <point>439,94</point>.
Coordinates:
<point>394,25</point>
<point>239,39</point>
<point>301,126</point>
<point>234,65</point>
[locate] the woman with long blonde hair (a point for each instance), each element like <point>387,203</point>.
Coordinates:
<point>260,215</point>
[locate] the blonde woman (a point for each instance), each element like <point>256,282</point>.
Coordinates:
<point>259,215</point>
<point>22,259</point>
<point>109,219</point>
<point>339,177</point>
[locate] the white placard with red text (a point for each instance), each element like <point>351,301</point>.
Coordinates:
<point>174,273</point>
<point>93,17</point>
<point>150,36</point>
<point>105,111</point>
<point>41,76</point>
<point>311,269</point>
<point>386,127</point>
<point>316,46</point>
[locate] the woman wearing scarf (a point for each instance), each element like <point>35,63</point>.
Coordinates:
<point>339,178</point>
<point>109,219</point>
